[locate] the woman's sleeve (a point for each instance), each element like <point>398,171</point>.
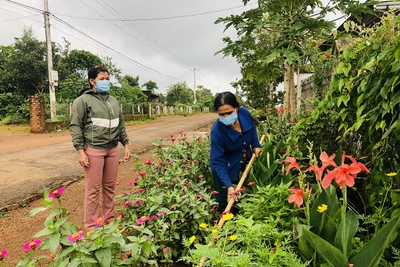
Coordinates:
<point>76,127</point>
<point>218,163</point>
<point>123,137</point>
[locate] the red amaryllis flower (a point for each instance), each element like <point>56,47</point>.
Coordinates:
<point>297,197</point>
<point>327,160</point>
<point>32,244</point>
<point>318,171</point>
<point>75,237</point>
<point>3,254</point>
<point>345,174</point>
<point>293,164</point>
<point>56,193</point>
<point>280,110</point>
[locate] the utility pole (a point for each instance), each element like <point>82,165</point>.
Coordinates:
<point>50,62</point>
<point>194,84</point>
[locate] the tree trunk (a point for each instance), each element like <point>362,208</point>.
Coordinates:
<point>272,89</point>
<point>292,94</point>
<point>286,84</point>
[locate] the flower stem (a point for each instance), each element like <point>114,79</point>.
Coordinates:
<point>344,207</point>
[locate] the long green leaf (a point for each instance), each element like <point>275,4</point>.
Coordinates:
<point>371,253</point>
<point>346,231</point>
<point>329,253</point>
<point>104,257</point>
<point>36,211</point>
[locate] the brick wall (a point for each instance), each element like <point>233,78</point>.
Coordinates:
<point>37,114</point>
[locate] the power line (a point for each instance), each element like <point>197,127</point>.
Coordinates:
<point>137,29</point>
<point>143,66</point>
<point>115,51</point>
<point>24,17</point>
<point>160,18</point>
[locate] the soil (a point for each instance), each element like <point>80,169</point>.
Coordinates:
<point>16,227</point>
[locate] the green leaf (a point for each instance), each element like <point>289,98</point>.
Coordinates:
<point>360,110</point>
<point>104,257</point>
<point>329,253</point>
<point>346,231</point>
<point>54,242</point>
<point>36,211</point>
<point>371,253</point>
<point>45,231</point>
<point>146,248</point>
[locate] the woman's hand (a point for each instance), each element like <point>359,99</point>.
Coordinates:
<point>127,154</point>
<point>257,151</point>
<point>83,158</point>
<point>231,194</point>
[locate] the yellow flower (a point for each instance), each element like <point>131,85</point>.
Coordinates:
<point>233,237</point>
<point>322,208</point>
<point>391,174</point>
<point>192,239</point>
<point>203,225</point>
<point>227,217</point>
<point>214,231</point>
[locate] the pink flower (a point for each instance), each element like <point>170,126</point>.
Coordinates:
<point>173,206</point>
<point>214,192</point>
<point>147,162</point>
<point>327,55</point>
<point>138,202</point>
<point>142,173</point>
<point>75,237</point>
<point>153,218</point>
<point>3,254</point>
<point>199,196</point>
<point>282,151</point>
<point>32,244</point>
<point>56,193</point>
<point>165,250</point>
<point>127,204</point>
<point>121,216</point>
<point>297,197</point>
<point>293,164</point>
<point>195,162</point>
<point>201,176</point>
<point>161,213</point>
<point>99,221</point>
<point>251,183</point>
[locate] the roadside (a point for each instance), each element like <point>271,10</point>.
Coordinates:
<point>17,228</point>
<point>29,162</point>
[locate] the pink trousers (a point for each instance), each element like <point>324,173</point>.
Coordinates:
<point>100,176</point>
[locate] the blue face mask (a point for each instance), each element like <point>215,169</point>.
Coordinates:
<point>229,120</point>
<point>103,86</point>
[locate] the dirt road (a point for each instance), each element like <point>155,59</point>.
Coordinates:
<point>36,160</point>
<point>30,162</point>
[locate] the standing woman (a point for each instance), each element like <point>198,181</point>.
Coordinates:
<point>233,139</point>
<point>97,125</point>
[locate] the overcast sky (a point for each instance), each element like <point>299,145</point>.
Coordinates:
<point>172,46</point>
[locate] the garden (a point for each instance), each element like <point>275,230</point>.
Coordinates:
<point>324,192</point>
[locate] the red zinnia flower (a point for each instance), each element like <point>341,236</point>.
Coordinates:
<point>32,244</point>
<point>56,193</point>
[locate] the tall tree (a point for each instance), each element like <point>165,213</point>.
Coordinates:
<point>150,86</point>
<point>179,93</point>
<point>274,36</point>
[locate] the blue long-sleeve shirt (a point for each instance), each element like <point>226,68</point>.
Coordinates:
<point>229,145</point>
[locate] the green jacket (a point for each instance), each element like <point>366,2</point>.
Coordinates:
<point>96,121</point>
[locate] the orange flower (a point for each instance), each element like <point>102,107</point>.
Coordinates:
<point>318,171</point>
<point>293,164</point>
<point>297,197</point>
<point>326,160</point>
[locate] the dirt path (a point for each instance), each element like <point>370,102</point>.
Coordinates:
<point>29,162</point>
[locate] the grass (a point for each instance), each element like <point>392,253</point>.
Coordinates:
<point>15,129</point>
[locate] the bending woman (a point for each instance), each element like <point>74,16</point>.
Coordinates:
<point>233,140</point>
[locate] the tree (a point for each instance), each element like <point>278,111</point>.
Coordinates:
<point>77,62</point>
<point>179,93</point>
<point>274,36</point>
<point>150,86</point>
<point>204,97</point>
<point>24,68</point>
<point>132,81</point>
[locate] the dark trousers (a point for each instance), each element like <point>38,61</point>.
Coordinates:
<point>222,195</point>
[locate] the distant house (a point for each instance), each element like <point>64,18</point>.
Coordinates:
<point>151,97</point>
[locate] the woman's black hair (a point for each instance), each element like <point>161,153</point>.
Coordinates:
<point>226,98</point>
<point>94,71</point>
